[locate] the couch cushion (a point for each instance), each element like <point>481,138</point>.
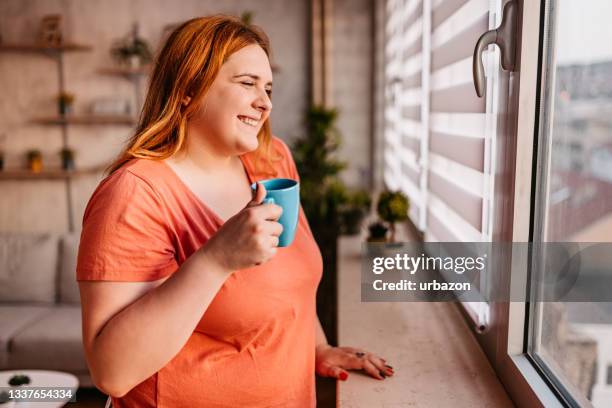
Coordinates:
<point>28,267</point>
<point>68,286</point>
<point>13,319</point>
<point>51,343</point>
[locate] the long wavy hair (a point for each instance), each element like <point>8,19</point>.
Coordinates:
<point>186,66</point>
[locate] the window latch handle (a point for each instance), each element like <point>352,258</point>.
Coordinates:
<point>505,38</point>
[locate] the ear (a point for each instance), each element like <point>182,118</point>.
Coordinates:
<point>186,100</point>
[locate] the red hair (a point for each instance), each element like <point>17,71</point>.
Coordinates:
<point>187,66</point>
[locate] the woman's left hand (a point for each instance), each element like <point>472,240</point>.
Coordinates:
<point>335,361</point>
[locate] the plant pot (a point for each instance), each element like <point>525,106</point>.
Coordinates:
<point>67,159</point>
<point>35,163</point>
<point>64,108</point>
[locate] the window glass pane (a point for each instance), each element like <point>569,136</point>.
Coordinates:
<point>573,341</point>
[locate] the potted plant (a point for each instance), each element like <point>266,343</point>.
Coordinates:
<point>323,196</point>
<point>247,17</point>
<point>19,380</point>
<point>393,207</point>
<point>34,160</point>
<point>64,103</point>
<point>132,50</point>
<point>67,156</point>
<point>377,232</point>
<point>354,211</point>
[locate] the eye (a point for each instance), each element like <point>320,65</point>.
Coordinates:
<point>247,83</point>
<point>269,92</point>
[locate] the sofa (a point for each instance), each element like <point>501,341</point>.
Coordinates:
<point>40,313</point>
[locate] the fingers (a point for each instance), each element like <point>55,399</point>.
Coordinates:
<point>338,373</point>
<point>274,240</point>
<point>371,363</point>
<point>270,212</point>
<point>372,370</point>
<point>380,365</point>
<point>258,195</point>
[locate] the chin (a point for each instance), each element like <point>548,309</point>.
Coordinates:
<point>246,145</point>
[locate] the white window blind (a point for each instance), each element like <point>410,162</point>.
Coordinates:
<point>439,136</point>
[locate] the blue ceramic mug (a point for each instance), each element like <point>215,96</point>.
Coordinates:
<point>286,194</point>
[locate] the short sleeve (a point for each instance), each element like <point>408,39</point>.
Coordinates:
<point>125,235</point>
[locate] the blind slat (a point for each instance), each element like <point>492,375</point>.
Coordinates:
<point>464,17</point>
<point>460,124</point>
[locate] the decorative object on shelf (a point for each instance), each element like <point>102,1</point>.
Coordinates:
<point>65,100</point>
<point>393,207</point>
<point>132,50</point>
<point>35,163</point>
<point>51,31</point>
<point>247,17</point>
<point>18,380</point>
<point>67,156</point>
<point>110,107</point>
<point>323,197</point>
<point>377,232</point>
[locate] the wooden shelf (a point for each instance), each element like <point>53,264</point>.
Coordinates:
<point>38,48</point>
<point>127,72</point>
<point>51,174</point>
<point>87,120</point>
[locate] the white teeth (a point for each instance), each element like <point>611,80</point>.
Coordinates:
<point>248,121</point>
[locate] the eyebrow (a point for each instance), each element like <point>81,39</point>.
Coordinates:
<point>255,77</point>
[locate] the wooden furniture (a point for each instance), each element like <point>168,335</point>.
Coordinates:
<point>65,121</point>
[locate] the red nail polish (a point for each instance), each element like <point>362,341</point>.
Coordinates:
<point>343,376</point>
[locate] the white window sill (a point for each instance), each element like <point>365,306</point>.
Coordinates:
<point>436,359</point>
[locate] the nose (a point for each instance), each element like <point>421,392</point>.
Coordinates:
<point>263,102</point>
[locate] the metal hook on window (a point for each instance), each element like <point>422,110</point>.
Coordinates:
<point>505,38</point>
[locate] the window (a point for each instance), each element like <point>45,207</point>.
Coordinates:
<point>572,341</point>
<point>469,165</point>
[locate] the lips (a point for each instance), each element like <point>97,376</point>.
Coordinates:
<point>250,121</point>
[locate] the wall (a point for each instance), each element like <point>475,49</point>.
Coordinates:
<point>29,84</point>
<point>351,48</point>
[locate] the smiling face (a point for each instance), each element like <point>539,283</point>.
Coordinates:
<point>237,104</point>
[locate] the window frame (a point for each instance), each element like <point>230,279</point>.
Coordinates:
<point>526,379</point>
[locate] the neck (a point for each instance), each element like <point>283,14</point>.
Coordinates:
<point>200,152</point>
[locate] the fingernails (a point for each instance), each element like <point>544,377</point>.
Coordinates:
<point>382,374</point>
<point>343,376</point>
<point>388,366</point>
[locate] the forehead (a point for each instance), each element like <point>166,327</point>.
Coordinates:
<point>251,58</point>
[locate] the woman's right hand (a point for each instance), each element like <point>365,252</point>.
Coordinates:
<point>248,238</point>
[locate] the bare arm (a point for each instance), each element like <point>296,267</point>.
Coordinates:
<point>131,330</point>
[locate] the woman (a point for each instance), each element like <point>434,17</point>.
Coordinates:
<point>186,299</point>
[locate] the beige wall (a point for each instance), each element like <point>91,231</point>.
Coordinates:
<point>28,85</point>
<point>352,84</point>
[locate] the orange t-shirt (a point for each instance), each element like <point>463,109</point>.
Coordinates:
<point>255,344</point>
